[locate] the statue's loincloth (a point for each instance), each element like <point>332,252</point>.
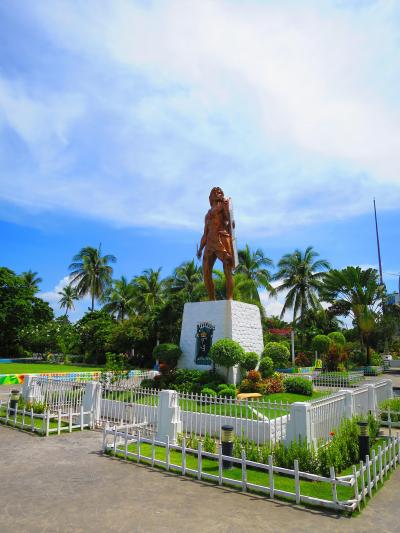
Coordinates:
<point>219,245</point>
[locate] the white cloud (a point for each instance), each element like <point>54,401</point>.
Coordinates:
<point>291,107</point>
<point>52,296</point>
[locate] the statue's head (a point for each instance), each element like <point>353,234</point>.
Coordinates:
<point>216,194</point>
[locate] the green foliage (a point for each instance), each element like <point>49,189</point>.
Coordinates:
<point>392,405</point>
<point>227,391</point>
<point>167,353</point>
<point>321,344</point>
<point>266,367</point>
<point>285,456</point>
<point>226,353</point>
<point>298,385</point>
<point>127,335</point>
<point>94,330</point>
<point>209,444</point>
<point>337,338</point>
<point>278,352</point>
<point>19,309</point>
<point>208,392</point>
<point>249,361</point>
<point>376,359</point>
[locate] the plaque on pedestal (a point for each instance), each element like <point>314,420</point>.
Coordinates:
<point>206,322</point>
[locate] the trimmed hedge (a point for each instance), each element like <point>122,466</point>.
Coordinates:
<point>167,353</point>
<point>278,352</point>
<point>249,361</point>
<point>266,367</point>
<point>298,385</point>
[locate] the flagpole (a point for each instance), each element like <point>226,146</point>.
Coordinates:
<point>378,244</point>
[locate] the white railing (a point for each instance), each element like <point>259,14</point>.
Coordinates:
<point>337,380</point>
<point>325,415</point>
<point>361,402</point>
<point>258,420</point>
<point>383,390</point>
<point>57,394</point>
<point>46,423</point>
<point>127,445</point>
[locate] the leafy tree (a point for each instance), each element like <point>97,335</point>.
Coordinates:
<point>150,289</point>
<point>249,361</point>
<point>337,338</point>
<point>91,273</point>
<point>94,330</point>
<point>278,352</point>
<point>120,298</point>
<point>32,280</point>
<point>301,276</point>
<point>321,344</point>
<point>68,295</point>
<point>187,279</point>
<point>226,353</point>
<point>167,353</point>
<point>253,266</point>
<point>356,293</point>
<point>128,335</point>
<point>266,367</point>
<point>19,308</point>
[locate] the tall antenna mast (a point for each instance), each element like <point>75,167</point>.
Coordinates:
<point>378,244</point>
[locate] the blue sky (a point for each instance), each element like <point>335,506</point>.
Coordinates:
<point>117,118</point>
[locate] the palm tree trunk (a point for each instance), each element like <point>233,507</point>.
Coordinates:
<point>92,302</point>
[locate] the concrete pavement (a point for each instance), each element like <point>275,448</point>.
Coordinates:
<point>63,484</point>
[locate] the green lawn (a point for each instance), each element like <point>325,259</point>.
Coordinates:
<point>237,409</point>
<point>39,423</point>
<point>37,368</point>
<point>307,488</point>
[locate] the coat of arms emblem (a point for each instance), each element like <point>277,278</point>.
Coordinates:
<point>204,335</point>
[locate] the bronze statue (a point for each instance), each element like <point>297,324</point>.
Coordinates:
<point>218,241</point>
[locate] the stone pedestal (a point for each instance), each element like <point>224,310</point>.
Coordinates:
<point>206,322</point>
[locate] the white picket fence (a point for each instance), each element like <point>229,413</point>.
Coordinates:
<point>368,475</point>
<point>331,381</point>
<point>259,420</point>
<point>66,421</point>
<point>123,402</point>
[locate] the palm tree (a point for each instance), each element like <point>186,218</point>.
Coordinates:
<point>149,288</point>
<point>356,293</point>
<point>187,279</point>
<point>91,272</point>
<point>301,276</point>
<point>120,298</point>
<point>68,295</point>
<point>32,280</point>
<point>252,266</point>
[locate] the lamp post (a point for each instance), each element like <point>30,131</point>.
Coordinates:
<point>363,440</point>
<point>227,445</point>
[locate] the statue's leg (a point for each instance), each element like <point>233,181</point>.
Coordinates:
<point>229,277</point>
<point>208,264</point>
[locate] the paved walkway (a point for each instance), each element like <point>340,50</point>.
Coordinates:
<point>62,484</point>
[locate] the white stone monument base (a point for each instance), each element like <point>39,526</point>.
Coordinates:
<point>230,319</point>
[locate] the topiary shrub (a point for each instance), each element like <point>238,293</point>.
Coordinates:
<point>167,353</point>
<point>321,344</point>
<point>147,384</point>
<point>266,367</point>
<point>226,353</point>
<point>228,392</point>
<point>337,338</point>
<point>208,392</point>
<point>249,361</point>
<point>279,354</point>
<point>298,386</point>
